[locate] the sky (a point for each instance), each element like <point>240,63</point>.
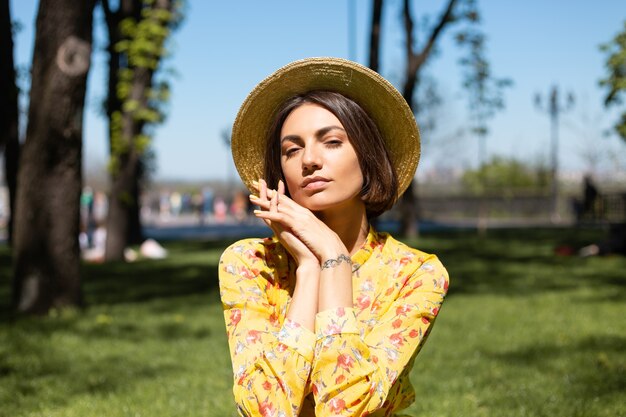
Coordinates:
<point>224,48</point>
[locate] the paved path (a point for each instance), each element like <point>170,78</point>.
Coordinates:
<point>190,228</point>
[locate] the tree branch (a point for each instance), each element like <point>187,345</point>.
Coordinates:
<point>109,16</point>
<point>445,18</point>
<point>408,29</point>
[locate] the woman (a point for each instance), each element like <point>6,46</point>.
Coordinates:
<point>326,317</point>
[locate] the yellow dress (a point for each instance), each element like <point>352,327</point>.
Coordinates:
<point>357,362</point>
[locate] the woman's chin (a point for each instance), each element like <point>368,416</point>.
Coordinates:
<point>316,202</point>
<point>316,206</point>
<point>320,202</point>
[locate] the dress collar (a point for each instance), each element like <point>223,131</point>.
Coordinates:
<point>366,249</point>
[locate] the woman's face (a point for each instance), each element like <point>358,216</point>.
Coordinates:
<point>320,166</point>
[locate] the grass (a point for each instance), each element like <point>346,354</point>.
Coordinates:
<point>523,333</point>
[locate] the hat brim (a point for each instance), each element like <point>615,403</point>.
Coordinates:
<point>382,102</point>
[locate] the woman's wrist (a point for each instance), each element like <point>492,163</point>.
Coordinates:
<point>341,259</point>
<point>333,249</point>
<point>308,267</point>
<point>335,286</point>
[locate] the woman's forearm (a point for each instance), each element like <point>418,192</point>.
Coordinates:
<point>335,288</point>
<point>303,306</point>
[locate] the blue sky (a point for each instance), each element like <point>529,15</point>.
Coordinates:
<point>225,47</point>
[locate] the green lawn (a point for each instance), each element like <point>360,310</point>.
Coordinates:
<point>523,333</point>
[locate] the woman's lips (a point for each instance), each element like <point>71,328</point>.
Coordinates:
<point>316,184</point>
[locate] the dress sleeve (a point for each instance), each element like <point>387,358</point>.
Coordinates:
<point>271,360</point>
<point>352,373</point>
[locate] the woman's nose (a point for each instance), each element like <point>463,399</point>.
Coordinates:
<point>311,158</point>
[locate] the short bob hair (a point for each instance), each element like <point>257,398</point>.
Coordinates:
<point>380,184</point>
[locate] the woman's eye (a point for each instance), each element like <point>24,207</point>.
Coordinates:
<point>333,143</point>
<point>290,152</point>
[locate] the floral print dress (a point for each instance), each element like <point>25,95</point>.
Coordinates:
<point>357,362</point>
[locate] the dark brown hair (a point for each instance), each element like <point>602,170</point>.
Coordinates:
<point>380,184</point>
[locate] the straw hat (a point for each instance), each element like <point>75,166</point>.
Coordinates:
<point>384,104</point>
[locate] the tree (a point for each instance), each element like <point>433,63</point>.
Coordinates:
<point>505,175</point>
<point>138,30</point>
<point>615,81</point>
<point>46,252</point>
<point>415,60</point>
<point>485,91</point>
<point>127,10</point>
<point>454,13</point>
<point>9,112</point>
<point>616,84</point>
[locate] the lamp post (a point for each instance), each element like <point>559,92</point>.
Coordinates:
<point>555,107</point>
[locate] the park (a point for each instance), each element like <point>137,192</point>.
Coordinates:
<point>109,291</point>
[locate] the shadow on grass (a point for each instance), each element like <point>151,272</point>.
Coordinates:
<point>6,274</point>
<point>146,280</point>
<point>26,377</point>
<point>522,262</point>
<point>118,282</point>
<point>600,366</point>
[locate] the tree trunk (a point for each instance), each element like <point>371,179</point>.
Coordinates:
<point>409,203</point>
<point>123,222</point>
<point>9,111</point>
<point>409,222</point>
<point>377,12</point>
<point>46,252</point>
<point>374,61</point>
<point>127,9</point>
<point>122,204</point>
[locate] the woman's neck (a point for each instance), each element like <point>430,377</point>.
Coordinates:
<point>350,224</point>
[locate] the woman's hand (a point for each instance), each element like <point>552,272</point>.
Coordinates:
<point>285,215</point>
<point>268,202</point>
<point>308,240</point>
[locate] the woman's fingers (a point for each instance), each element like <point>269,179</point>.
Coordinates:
<point>281,204</point>
<point>263,197</point>
<point>274,202</point>
<point>273,216</point>
<point>262,190</point>
<point>281,214</point>
<point>281,188</point>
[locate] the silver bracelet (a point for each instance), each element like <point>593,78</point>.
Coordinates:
<point>331,263</point>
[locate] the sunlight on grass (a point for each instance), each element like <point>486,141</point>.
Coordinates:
<point>523,333</point>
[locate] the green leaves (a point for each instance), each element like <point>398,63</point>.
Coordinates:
<point>142,49</point>
<point>615,81</point>
<point>505,175</point>
<point>143,41</point>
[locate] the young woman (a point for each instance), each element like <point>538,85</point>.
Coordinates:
<point>326,317</point>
